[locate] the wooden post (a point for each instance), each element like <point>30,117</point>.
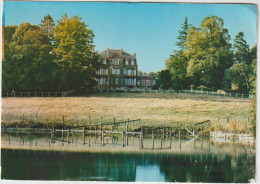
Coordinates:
<point>227,120</point>
<point>101,123</point>
<point>161,141</point>
<point>170,138</point>
<point>36,116</point>
<point>247,123</point>
<point>180,137</point>
<point>72,136</point>
<point>141,138</point>
<point>201,129</point>
<point>102,138</point>
<point>68,135</point>
<point>62,134</point>
<point>114,121</point>
<point>83,136</point>
<point>89,119</point>
<point>153,137</point>
<point>163,133</point>
<point>126,133</point>
<point>123,138</point>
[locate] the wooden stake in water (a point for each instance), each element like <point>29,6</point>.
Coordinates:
<point>180,137</point>
<point>102,138</point>
<point>68,135</point>
<point>83,136</point>
<point>122,138</point>
<point>153,137</point>
<point>101,123</point>
<point>62,134</point>
<point>170,138</point>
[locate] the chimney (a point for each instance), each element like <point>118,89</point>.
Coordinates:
<point>121,51</point>
<point>134,54</point>
<point>107,51</point>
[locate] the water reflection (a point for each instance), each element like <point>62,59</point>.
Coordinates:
<point>196,161</point>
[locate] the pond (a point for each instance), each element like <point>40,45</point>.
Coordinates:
<point>35,157</point>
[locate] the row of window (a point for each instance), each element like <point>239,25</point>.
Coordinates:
<point>130,72</point>
<point>147,82</point>
<point>115,61</point>
<point>104,81</point>
<point>116,71</point>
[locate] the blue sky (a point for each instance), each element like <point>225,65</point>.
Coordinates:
<point>148,29</point>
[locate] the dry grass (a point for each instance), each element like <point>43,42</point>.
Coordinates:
<point>152,109</point>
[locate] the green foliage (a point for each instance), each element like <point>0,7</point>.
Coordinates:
<point>178,62</point>
<point>28,64</point>
<point>177,65</point>
<point>237,77</point>
<point>183,34</point>
<point>49,58</point>
<point>208,52</point>
<point>164,79</point>
<point>74,51</point>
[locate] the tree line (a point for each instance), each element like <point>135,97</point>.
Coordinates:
<point>206,59</point>
<point>49,57</point>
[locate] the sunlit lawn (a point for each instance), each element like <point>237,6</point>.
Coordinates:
<point>152,109</point>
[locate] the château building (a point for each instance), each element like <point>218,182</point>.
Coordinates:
<point>119,70</point>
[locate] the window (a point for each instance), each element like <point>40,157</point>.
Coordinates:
<point>126,62</point>
<point>117,81</point>
<point>104,61</point>
<point>115,61</point>
<point>102,81</point>
<point>130,72</point>
<point>130,82</point>
<point>102,71</point>
<point>132,62</point>
<point>115,71</point>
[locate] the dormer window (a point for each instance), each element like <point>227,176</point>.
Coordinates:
<point>126,62</point>
<point>115,61</point>
<point>132,62</point>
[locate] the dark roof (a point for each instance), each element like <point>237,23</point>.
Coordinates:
<point>112,52</point>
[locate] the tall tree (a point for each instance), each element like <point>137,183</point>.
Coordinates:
<point>28,64</point>
<point>164,79</point>
<point>208,51</point>
<point>237,76</point>
<point>178,62</point>
<point>183,34</point>
<point>48,25</point>
<point>75,53</point>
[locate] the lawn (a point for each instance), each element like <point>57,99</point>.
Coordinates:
<point>152,109</point>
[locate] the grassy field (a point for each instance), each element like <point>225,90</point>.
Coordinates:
<point>152,109</point>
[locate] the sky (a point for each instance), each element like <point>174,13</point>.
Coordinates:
<point>147,29</point>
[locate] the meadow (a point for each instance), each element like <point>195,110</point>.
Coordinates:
<point>225,113</point>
